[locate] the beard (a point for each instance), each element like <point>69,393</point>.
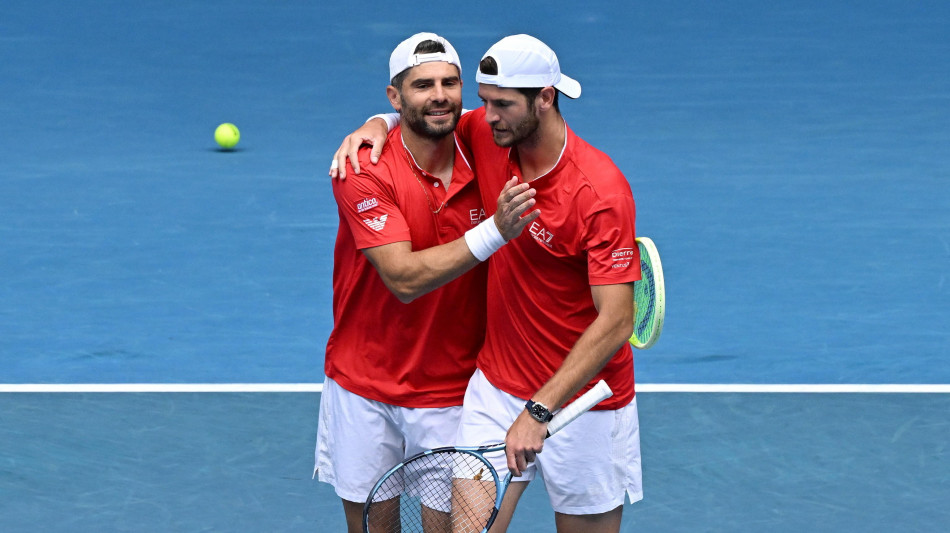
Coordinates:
<point>526,128</point>
<point>415,118</point>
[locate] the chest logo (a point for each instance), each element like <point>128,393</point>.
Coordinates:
<point>540,234</point>
<point>476,216</point>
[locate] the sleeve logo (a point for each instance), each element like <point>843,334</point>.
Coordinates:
<point>377,223</point>
<point>366,204</point>
<point>621,257</point>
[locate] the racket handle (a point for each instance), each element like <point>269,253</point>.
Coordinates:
<point>589,399</point>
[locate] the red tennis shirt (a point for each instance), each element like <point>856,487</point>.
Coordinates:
<point>539,284</point>
<point>419,354</point>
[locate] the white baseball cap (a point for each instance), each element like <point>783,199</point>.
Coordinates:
<point>525,62</point>
<point>405,56</point>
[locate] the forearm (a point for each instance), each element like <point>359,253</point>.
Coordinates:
<point>599,342</point>
<point>411,275</point>
<point>596,346</point>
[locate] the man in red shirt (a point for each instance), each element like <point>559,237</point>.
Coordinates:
<point>559,295</point>
<point>408,283</point>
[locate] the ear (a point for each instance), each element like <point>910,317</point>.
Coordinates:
<point>545,99</point>
<point>393,96</point>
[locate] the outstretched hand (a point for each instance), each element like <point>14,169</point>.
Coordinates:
<point>513,202</point>
<point>372,133</point>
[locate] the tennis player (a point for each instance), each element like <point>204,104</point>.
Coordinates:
<point>402,350</point>
<point>559,295</point>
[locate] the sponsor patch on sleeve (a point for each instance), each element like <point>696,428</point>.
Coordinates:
<point>366,204</point>
<point>622,257</point>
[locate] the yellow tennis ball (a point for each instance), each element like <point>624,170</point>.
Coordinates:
<point>227,135</point>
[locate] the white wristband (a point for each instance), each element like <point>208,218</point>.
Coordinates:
<point>391,119</point>
<point>484,239</point>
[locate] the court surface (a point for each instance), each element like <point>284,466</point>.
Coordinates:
<point>790,160</point>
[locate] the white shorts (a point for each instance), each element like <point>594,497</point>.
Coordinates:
<point>587,467</point>
<point>358,440</point>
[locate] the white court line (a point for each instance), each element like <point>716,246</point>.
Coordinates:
<point>796,388</point>
<point>318,387</point>
<point>162,387</point>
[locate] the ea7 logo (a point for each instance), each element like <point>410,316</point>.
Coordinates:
<point>476,216</point>
<point>540,234</point>
<point>377,223</point>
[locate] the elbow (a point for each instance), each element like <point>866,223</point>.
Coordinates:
<point>628,330</point>
<point>621,326</point>
<point>625,331</point>
<point>404,292</point>
<point>405,297</point>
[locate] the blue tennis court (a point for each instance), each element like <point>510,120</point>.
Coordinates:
<point>790,160</point>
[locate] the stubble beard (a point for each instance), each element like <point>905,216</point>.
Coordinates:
<point>415,118</point>
<point>525,129</point>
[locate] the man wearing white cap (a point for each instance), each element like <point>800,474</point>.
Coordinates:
<point>403,346</point>
<point>559,295</point>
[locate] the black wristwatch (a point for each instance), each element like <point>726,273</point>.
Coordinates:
<point>538,411</point>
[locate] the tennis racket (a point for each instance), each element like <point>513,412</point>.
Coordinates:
<point>649,297</point>
<point>452,489</point>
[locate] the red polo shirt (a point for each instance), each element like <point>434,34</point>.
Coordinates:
<point>419,354</point>
<point>539,285</point>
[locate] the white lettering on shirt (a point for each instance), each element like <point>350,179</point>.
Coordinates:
<point>621,257</point>
<point>366,204</point>
<point>476,216</point>
<point>540,234</point>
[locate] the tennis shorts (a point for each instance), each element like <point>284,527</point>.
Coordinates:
<point>587,467</point>
<point>358,440</point>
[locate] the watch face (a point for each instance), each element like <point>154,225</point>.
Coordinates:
<point>539,412</point>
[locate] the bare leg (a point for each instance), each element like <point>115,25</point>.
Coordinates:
<point>384,519</point>
<point>435,521</point>
<point>507,511</point>
<point>608,522</point>
<point>472,503</point>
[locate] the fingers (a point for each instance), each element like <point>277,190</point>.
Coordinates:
<point>352,153</point>
<point>518,462</point>
<point>518,459</point>
<point>338,164</point>
<point>349,151</point>
<point>513,462</point>
<point>515,200</point>
<point>516,197</point>
<point>373,133</point>
<point>335,164</point>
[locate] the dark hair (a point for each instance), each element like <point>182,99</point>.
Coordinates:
<point>424,47</point>
<point>489,66</point>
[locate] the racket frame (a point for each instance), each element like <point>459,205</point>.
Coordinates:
<point>645,244</point>
<point>598,393</point>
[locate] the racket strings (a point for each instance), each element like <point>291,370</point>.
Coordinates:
<point>440,492</point>
<point>645,299</point>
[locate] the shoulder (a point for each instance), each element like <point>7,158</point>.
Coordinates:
<point>599,185</point>
<point>381,171</point>
<point>473,114</point>
<point>470,121</point>
<point>598,171</point>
